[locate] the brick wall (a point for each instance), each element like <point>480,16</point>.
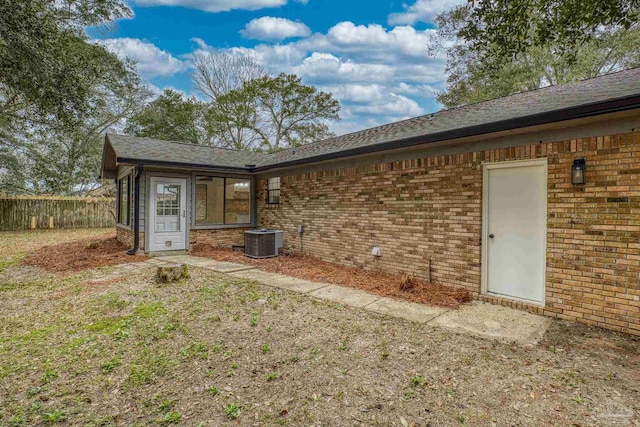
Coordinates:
<point>221,237</point>
<point>430,210</point>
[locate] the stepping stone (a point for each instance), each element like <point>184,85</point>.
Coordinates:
<point>224,267</point>
<point>346,296</point>
<point>208,263</point>
<point>280,281</point>
<point>411,311</point>
<point>494,321</point>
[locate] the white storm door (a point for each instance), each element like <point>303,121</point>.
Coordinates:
<point>515,229</point>
<point>168,214</point>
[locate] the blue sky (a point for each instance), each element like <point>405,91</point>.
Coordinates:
<point>372,56</point>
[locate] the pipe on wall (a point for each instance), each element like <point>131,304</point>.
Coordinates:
<point>136,212</point>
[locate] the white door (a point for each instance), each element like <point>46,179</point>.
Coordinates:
<point>168,214</point>
<point>514,229</point>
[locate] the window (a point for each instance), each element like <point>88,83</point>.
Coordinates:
<point>273,190</point>
<point>124,201</point>
<point>167,200</point>
<point>222,201</point>
<point>237,201</point>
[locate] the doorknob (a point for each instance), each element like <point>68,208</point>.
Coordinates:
<point>491,236</point>
<point>184,213</point>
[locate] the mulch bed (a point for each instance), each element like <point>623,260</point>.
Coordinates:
<point>81,255</point>
<point>310,268</point>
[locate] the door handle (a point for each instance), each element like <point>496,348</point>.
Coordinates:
<point>184,213</point>
<point>491,236</point>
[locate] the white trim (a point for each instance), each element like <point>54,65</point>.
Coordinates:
<point>151,208</point>
<point>485,232</point>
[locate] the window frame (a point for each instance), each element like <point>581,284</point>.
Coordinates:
<point>129,206</point>
<point>194,203</point>
<point>270,190</point>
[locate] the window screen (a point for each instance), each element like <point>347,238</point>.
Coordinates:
<point>273,189</point>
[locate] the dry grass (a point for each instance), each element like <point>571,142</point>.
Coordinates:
<point>309,268</point>
<point>110,347</point>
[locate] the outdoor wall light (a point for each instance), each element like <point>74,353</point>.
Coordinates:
<point>579,172</point>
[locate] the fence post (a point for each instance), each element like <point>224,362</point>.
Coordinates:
<point>50,222</point>
<point>33,222</point>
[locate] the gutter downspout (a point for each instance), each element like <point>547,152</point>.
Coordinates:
<point>136,213</point>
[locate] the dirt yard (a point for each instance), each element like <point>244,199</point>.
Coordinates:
<point>109,346</point>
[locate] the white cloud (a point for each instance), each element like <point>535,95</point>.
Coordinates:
<point>326,68</point>
<point>378,74</point>
<point>424,90</point>
<point>215,5</point>
<point>374,100</point>
<point>270,28</point>
<point>356,93</point>
<point>151,60</point>
<point>422,11</point>
<point>371,41</point>
<point>392,105</point>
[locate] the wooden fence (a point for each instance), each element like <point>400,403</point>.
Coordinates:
<point>23,213</point>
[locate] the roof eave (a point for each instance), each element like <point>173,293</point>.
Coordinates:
<point>102,174</point>
<point>148,162</point>
<point>582,111</point>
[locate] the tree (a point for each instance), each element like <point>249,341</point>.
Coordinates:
<point>474,76</point>
<point>504,29</point>
<point>46,61</point>
<point>59,93</point>
<point>170,117</point>
<point>229,118</point>
<point>216,74</point>
<point>45,157</point>
<point>290,113</point>
<point>249,109</point>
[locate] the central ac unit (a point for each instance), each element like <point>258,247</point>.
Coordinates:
<point>263,243</point>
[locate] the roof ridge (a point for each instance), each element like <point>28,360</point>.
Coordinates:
<point>540,88</point>
<point>191,144</point>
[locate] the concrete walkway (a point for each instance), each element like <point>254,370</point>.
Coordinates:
<point>478,318</point>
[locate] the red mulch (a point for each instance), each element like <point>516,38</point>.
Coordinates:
<point>309,268</point>
<point>81,255</point>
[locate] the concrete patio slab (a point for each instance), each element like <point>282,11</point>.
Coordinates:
<point>346,296</point>
<point>209,264</point>
<point>411,311</point>
<point>494,321</point>
<point>225,267</point>
<point>186,259</point>
<point>479,319</point>
<point>280,281</point>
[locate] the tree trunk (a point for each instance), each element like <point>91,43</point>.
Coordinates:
<point>171,272</point>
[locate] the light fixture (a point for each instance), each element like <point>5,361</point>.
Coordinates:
<point>579,172</point>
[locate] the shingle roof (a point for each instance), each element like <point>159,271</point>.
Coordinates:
<point>554,103</point>
<point>155,150</point>
<point>520,105</point>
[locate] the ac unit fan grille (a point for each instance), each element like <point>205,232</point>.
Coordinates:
<point>260,245</point>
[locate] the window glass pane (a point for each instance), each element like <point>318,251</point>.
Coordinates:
<point>274,196</point>
<point>273,189</point>
<point>124,201</point>
<point>274,183</point>
<point>238,201</point>
<point>167,207</point>
<point>209,200</point>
